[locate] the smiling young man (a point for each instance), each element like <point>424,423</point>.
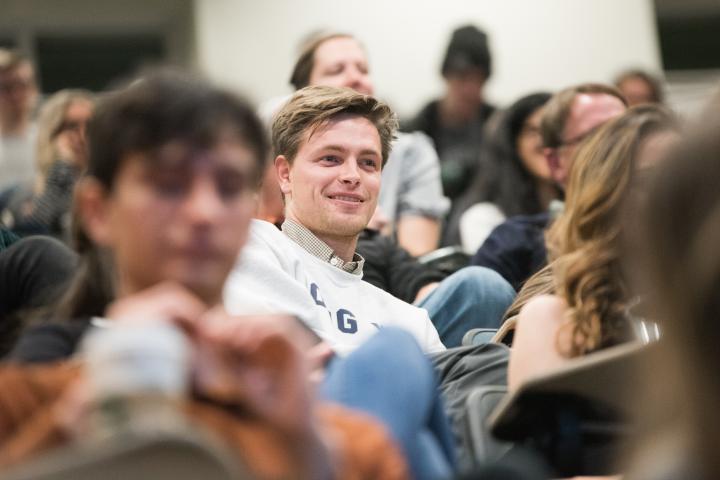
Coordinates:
<point>330,146</point>
<point>411,199</point>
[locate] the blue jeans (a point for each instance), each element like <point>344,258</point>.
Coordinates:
<point>472,297</point>
<point>390,378</point>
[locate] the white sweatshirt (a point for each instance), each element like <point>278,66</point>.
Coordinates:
<point>276,275</point>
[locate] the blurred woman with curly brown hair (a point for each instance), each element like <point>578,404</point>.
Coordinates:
<point>679,268</point>
<point>580,300</point>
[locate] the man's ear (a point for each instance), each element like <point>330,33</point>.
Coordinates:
<point>92,205</point>
<point>282,168</point>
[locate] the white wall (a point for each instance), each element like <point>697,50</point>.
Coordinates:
<point>251,44</point>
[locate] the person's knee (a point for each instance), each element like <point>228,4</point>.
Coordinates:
<point>392,355</point>
<point>474,280</point>
<point>391,348</point>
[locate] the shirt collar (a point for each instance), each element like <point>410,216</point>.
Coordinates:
<point>316,247</point>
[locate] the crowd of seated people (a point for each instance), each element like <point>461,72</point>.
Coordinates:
<point>516,247</point>
<point>167,254</point>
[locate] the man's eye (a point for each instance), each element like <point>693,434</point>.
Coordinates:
<point>369,162</point>
<point>330,159</point>
<point>230,185</point>
<point>170,185</point>
<point>334,70</point>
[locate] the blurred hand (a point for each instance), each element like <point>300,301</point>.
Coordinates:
<point>318,357</point>
<point>71,147</point>
<point>163,302</point>
<point>253,361</point>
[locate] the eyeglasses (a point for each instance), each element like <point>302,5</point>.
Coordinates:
<point>71,125</point>
<point>579,138</point>
<point>530,129</point>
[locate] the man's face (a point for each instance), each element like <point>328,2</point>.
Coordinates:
<point>636,91</point>
<point>177,214</point>
<point>588,111</point>
<point>18,93</point>
<point>464,89</point>
<point>333,183</point>
<point>341,62</point>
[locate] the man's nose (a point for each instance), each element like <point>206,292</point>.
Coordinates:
<point>354,78</point>
<point>203,204</point>
<point>350,174</point>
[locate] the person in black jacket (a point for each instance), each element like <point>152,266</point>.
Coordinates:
<point>516,248</point>
<point>34,272</point>
<point>455,122</point>
<point>472,297</point>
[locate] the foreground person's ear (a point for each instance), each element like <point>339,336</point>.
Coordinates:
<point>92,203</point>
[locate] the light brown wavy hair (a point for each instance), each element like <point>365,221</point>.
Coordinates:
<point>313,107</point>
<point>584,244</point>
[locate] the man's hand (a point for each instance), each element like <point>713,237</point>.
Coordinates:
<point>253,361</point>
<point>71,147</point>
<point>163,302</point>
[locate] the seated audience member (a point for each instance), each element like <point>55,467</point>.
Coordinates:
<point>164,208</point>
<point>61,156</point>
<point>516,248</point>
<point>638,86</point>
<point>411,197</point>
<point>330,145</point>
<point>18,94</point>
<point>587,307</point>
<point>515,177</point>
<point>34,272</point>
<point>455,121</point>
<point>474,297</point>
<point>677,260</point>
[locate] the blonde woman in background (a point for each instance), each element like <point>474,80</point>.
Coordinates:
<point>60,158</point>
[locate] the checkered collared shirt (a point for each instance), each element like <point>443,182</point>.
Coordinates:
<point>313,245</point>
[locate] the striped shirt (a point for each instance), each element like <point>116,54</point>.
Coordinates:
<point>316,247</point>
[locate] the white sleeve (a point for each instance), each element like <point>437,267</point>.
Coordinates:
<point>421,192</point>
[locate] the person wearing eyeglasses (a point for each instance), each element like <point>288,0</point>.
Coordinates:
<point>516,248</point>
<point>61,155</point>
